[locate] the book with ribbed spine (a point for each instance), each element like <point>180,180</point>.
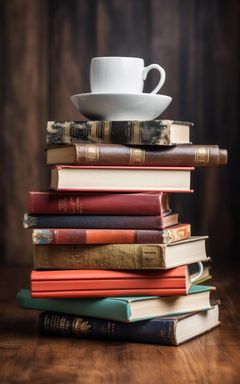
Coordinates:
<point>116,154</point>
<point>98,203</point>
<point>154,132</point>
<point>120,256</point>
<point>100,221</point>
<point>169,331</point>
<point>125,309</point>
<point>111,236</point>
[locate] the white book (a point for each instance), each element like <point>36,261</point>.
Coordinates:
<point>131,179</point>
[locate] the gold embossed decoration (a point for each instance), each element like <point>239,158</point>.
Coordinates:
<point>67,127</point>
<point>92,153</point>
<point>81,327</point>
<point>151,255</point>
<point>201,156</point>
<point>137,156</point>
<point>136,132</point>
<point>93,129</point>
<point>106,131</point>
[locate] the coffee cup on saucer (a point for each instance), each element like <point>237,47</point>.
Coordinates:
<point>117,91</point>
<point>114,74</point>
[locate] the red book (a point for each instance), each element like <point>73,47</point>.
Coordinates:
<point>111,236</point>
<point>104,283</point>
<point>98,203</point>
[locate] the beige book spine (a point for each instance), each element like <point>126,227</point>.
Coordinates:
<point>111,256</point>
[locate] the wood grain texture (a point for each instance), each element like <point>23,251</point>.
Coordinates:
<point>45,51</point>
<point>25,357</point>
<point>24,115</point>
<point>72,40</point>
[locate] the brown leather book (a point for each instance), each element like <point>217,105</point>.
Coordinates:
<point>185,155</point>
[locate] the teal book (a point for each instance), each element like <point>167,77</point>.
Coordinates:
<point>125,309</point>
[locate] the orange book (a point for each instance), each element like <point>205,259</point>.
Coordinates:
<point>104,283</point>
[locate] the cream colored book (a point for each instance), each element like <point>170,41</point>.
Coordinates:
<point>131,179</point>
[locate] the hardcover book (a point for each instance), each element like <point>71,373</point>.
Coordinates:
<point>100,221</point>
<point>155,132</point>
<point>173,330</point>
<point>105,283</point>
<point>111,236</point>
<point>98,203</point>
<point>120,256</point>
<point>116,154</point>
<point>122,308</point>
<point>121,179</point>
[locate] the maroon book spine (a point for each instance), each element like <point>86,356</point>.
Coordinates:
<point>111,236</point>
<point>97,203</point>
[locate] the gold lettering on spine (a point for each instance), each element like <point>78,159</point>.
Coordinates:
<point>81,327</point>
<point>136,132</point>
<point>201,156</point>
<point>92,153</point>
<point>67,127</point>
<point>137,156</point>
<point>106,132</point>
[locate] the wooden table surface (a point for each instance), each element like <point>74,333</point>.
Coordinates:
<point>25,357</point>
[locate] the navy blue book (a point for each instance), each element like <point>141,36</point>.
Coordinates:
<point>172,330</point>
<point>100,221</point>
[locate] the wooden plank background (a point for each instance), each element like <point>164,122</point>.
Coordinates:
<point>45,50</point>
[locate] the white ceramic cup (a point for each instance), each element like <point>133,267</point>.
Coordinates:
<point>199,274</point>
<point>121,75</point>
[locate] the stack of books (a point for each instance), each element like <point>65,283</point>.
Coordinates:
<point>112,260</point>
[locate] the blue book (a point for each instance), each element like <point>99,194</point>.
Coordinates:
<point>126,309</point>
<point>163,330</point>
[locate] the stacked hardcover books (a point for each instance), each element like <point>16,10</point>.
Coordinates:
<point>112,260</point>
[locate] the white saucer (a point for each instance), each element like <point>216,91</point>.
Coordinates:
<point>119,106</point>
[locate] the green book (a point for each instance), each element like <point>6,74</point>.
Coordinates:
<point>124,309</point>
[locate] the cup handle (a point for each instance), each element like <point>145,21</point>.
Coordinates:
<point>200,266</point>
<point>162,75</point>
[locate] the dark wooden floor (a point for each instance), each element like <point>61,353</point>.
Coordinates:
<point>25,357</point>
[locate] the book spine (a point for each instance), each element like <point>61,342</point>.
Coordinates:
<point>106,274</point>
<point>108,284</point>
<point>147,331</point>
<point>98,203</point>
<point>156,132</point>
<point>112,256</point>
<point>179,155</point>
<point>74,294</point>
<point>93,221</point>
<point>111,236</point>
<point>109,308</point>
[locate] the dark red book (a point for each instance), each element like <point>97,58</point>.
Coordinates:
<point>104,283</point>
<point>97,203</point>
<point>111,236</point>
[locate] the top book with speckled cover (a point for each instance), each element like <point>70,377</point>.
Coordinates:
<point>152,132</point>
